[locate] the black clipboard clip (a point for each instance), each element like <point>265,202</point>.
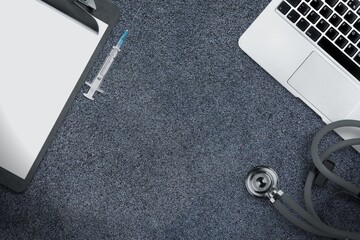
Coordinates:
<point>90,4</point>
<point>80,10</point>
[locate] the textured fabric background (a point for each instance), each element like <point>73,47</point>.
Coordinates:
<point>164,153</point>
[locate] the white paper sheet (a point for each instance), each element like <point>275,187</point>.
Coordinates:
<point>42,56</point>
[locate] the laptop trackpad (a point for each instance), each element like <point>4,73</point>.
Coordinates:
<point>325,88</point>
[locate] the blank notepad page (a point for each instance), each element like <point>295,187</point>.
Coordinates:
<point>43,53</point>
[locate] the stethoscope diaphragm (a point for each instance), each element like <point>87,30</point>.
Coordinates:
<point>261,180</point>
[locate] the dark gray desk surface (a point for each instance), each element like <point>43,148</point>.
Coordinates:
<point>164,153</point>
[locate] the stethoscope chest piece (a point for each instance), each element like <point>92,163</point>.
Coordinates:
<point>261,180</point>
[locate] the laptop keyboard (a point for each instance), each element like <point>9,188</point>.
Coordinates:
<point>334,25</point>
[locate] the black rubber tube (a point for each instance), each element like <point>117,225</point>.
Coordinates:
<point>317,161</point>
<point>310,178</point>
<point>297,222</point>
<point>308,194</point>
<point>316,222</point>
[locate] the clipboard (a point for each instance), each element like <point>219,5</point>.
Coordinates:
<point>108,14</point>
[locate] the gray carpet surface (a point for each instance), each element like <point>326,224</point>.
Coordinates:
<point>164,153</point>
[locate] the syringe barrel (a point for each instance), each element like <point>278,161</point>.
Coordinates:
<point>107,64</point>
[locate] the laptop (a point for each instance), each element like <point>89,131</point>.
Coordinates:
<point>312,48</point>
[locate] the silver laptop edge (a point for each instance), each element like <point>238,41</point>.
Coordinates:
<point>302,67</point>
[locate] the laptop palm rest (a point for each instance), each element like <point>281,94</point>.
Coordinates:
<point>322,85</point>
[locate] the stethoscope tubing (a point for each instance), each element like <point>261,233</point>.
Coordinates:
<point>311,176</point>
<point>306,218</point>
<point>320,226</point>
<point>296,221</point>
<point>318,162</point>
<point>315,225</point>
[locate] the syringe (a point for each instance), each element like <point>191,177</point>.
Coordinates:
<point>95,85</point>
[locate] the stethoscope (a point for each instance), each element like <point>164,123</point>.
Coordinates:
<point>262,181</point>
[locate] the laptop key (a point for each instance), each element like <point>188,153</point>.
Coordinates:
<point>294,3</point>
<point>353,4</point>
<point>341,41</point>
<point>357,58</point>
<point>357,25</point>
<point>354,36</point>
<point>335,20</point>
<point>293,16</point>
<point>313,17</point>
<point>322,25</point>
<point>332,33</point>
<point>302,24</point>
<point>284,8</point>
<point>340,57</point>
<point>341,8</point>
<point>344,28</point>
<point>303,9</point>
<point>350,17</point>
<point>326,12</point>
<point>331,2</point>
<point>313,33</point>
<point>316,4</point>
<point>350,50</point>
